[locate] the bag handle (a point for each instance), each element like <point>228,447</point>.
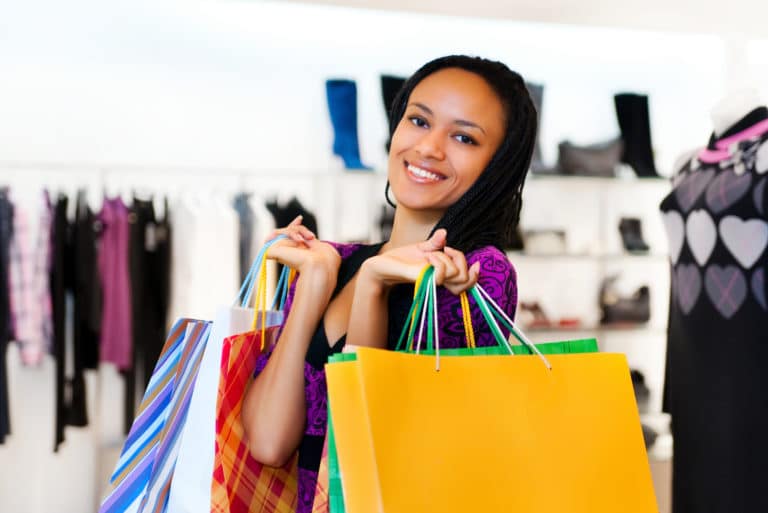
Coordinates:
<point>425,301</point>
<point>485,302</point>
<point>257,278</point>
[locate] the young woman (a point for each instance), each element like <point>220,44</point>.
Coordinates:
<point>462,134</point>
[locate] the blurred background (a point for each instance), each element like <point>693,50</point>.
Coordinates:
<point>180,107</point>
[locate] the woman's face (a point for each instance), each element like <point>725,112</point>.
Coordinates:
<point>453,124</point>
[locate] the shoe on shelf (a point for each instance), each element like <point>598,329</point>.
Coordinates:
<point>642,392</point>
<point>532,316</point>
<point>649,436</point>
<point>616,309</point>
<point>631,231</point>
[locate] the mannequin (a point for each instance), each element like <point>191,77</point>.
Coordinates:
<point>716,389</point>
<point>733,107</point>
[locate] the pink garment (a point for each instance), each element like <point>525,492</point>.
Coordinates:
<point>116,329</point>
<point>29,269</point>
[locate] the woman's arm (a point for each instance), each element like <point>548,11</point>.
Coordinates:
<point>274,408</point>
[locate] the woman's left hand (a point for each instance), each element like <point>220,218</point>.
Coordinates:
<point>451,270</point>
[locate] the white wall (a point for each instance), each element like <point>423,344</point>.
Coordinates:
<point>225,87</point>
<point>241,84</point>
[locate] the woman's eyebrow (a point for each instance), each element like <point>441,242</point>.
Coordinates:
<point>460,122</point>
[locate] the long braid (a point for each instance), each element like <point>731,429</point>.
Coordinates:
<point>490,210</point>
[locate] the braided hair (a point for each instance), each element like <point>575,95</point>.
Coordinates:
<point>488,213</point>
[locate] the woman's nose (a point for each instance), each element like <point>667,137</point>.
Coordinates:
<point>430,145</point>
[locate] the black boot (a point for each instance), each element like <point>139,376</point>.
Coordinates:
<point>536,91</point>
<point>390,86</point>
<point>635,123</point>
<point>632,234</point>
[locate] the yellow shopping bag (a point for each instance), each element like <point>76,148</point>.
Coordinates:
<point>488,433</point>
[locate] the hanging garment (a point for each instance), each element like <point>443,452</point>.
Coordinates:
<point>716,387</point>
<point>116,341</point>
<point>87,287</point>
<point>6,234</point>
<point>61,283</point>
<point>29,281</point>
<point>246,219</point>
<point>204,253</point>
<point>149,294</point>
<point>285,214</point>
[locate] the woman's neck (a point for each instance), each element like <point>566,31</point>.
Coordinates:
<point>411,227</point>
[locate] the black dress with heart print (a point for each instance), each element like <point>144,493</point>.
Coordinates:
<point>716,386</point>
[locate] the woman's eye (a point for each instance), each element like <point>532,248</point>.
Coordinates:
<point>465,139</point>
<point>420,122</point>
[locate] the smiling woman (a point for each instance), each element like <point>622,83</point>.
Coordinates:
<point>462,135</point>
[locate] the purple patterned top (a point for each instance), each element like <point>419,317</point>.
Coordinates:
<point>497,277</point>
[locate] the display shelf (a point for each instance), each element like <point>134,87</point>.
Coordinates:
<point>589,256</point>
<point>598,328</point>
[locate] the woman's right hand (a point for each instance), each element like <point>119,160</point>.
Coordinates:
<point>314,260</point>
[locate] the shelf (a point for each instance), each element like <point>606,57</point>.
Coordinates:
<point>603,179</point>
<point>599,328</point>
<point>587,256</point>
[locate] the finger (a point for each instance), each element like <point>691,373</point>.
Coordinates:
<point>460,262</point>
<point>306,232</point>
<point>474,275</point>
<point>451,271</point>
<point>296,221</point>
<point>435,243</point>
<point>439,267</point>
<point>457,287</point>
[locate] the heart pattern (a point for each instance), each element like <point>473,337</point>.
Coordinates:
<point>746,240</point>
<point>726,288</point>
<point>692,187</point>
<point>758,287</point>
<point>675,233</point>
<point>761,159</point>
<point>727,189</point>
<point>687,286</point>
<point>758,196</point>
<point>701,233</point>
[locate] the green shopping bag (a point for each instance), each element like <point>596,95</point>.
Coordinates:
<point>424,308</point>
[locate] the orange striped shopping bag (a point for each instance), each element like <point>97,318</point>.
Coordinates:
<point>240,483</point>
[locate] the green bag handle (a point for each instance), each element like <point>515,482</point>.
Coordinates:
<point>425,302</point>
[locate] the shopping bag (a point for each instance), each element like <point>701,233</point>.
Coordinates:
<point>433,432</point>
<point>144,470</point>
<point>240,483</point>
<point>191,486</point>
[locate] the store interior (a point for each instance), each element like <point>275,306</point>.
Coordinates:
<point>187,106</point>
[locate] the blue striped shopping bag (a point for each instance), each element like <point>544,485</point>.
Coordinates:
<point>142,476</point>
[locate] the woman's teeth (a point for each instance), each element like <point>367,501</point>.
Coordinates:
<point>421,173</point>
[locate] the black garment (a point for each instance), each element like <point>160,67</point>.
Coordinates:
<point>87,287</point>
<point>60,236</point>
<point>6,233</point>
<point>150,288</point>
<point>716,386</point>
<point>285,214</point>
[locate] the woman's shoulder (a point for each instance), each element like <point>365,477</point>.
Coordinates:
<point>491,259</point>
<point>346,249</point>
